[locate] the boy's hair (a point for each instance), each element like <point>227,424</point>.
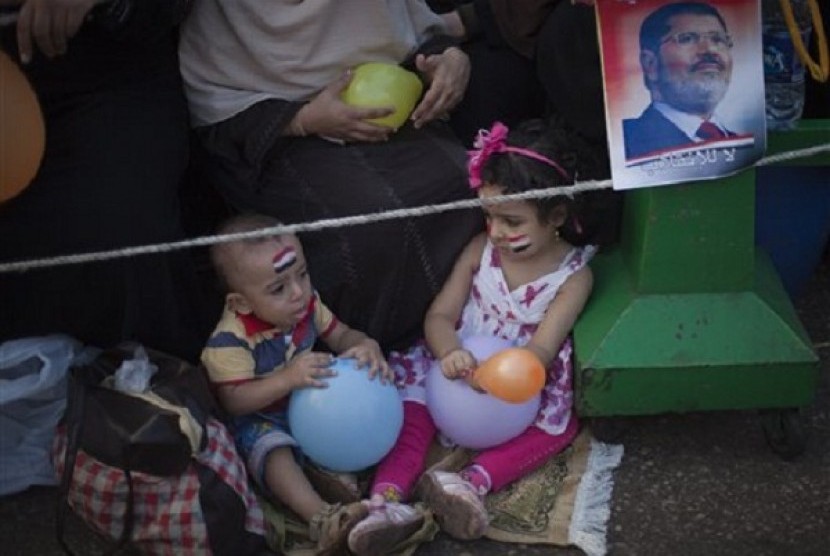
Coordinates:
<point>516,173</point>
<point>222,254</point>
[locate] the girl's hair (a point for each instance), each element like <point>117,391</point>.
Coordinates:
<point>576,159</point>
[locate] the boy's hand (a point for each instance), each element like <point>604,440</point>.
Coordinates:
<point>308,370</point>
<point>459,363</point>
<point>367,353</point>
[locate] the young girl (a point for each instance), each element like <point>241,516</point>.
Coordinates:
<point>526,279</point>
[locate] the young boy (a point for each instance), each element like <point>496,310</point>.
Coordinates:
<point>261,351</point>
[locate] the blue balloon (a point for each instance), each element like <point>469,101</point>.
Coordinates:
<point>350,425</point>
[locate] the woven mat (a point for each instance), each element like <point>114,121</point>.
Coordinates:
<point>565,502</point>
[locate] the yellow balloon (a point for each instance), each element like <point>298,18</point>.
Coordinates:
<point>22,132</point>
<point>514,375</point>
<point>377,85</point>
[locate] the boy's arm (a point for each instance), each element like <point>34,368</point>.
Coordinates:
<point>443,314</point>
<point>240,398</point>
<point>342,337</point>
<point>561,315</point>
<point>306,370</point>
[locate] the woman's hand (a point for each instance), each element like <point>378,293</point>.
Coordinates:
<point>328,116</point>
<point>49,24</point>
<point>459,363</point>
<point>308,370</point>
<point>448,74</point>
<point>368,354</point>
<point>453,24</point>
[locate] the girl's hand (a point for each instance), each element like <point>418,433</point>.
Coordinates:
<point>459,363</point>
<point>367,353</point>
<point>308,370</point>
<point>448,74</point>
<point>50,23</point>
<point>328,116</point>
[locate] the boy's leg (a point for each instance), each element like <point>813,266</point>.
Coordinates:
<point>329,524</point>
<point>287,482</point>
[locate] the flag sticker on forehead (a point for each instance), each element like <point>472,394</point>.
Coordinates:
<point>284,258</point>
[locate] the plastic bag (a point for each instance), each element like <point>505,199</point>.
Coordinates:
<point>33,381</point>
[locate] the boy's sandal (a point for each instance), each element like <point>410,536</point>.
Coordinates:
<point>333,487</point>
<point>456,504</point>
<point>330,527</point>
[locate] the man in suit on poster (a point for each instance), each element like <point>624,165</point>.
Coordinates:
<point>686,58</point>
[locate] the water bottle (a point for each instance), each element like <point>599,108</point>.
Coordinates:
<point>783,70</point>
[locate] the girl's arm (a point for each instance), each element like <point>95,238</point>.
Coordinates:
<point>443,314</point>
<point>561,315</point>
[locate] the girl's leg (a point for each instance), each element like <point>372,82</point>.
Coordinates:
<point>390,521</point>
<point>497,467</point>
<point>457,498</point>
<point>398,471</point>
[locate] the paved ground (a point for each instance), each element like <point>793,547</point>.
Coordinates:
<point>689,485</point>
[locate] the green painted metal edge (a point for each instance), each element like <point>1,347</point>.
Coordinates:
<point>656,353</point>
<point>696,237</point>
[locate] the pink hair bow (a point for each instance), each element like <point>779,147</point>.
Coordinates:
<point>486,143</point>
<point>495,141</point>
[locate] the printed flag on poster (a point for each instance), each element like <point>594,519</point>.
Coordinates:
<point>684,88</point>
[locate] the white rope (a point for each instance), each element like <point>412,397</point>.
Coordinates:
<point>347,221</point>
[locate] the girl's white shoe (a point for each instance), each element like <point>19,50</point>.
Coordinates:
<point>456,504</point>
<point>387,525</point>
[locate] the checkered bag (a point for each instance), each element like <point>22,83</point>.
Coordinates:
<point>155,470</point>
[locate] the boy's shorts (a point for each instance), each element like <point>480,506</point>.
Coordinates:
<point>256,436</point>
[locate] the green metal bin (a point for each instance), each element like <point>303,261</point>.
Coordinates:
<point>686,315</point>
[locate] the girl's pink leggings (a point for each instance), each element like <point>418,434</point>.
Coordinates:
<point>504,463</point>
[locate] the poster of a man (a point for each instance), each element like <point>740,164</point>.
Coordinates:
<point>704,111</point>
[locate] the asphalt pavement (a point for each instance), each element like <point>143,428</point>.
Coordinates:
<point>699,484</point>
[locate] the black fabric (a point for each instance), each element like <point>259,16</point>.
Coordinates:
<point>127,432</point>
<point>570,70</point>
<point>131,434</point>
<point>503,87</point>
<point>116,149</point>
<point>378,278</point>
<point>225,513</point>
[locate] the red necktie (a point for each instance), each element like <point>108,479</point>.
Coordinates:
<point>708,130</point>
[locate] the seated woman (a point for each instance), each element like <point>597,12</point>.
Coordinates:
<point>116,149</point>
<point>263,82</point>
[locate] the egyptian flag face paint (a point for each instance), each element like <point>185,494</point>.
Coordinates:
<point>284,259</point>
<point>518,244</point>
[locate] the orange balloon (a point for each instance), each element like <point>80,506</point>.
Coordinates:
<point>514,375</point>
<point>22,132</point>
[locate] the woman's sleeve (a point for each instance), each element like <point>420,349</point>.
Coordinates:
<point>517,21</point>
